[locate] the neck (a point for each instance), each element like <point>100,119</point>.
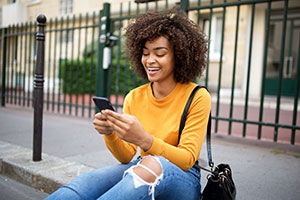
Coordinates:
<point>161,90</point>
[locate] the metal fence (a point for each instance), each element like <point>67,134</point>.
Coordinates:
<point>252,72</point>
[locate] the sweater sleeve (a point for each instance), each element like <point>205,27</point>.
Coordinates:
<point>121,150</point>
<point>187,152</point>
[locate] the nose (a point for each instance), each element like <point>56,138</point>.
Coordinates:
<point>150,59</point>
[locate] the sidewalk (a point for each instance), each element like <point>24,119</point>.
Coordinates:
<point>71,146</point>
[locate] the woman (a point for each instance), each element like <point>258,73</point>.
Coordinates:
<point>170,51</point>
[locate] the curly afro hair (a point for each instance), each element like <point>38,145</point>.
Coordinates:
<point>188,41</point>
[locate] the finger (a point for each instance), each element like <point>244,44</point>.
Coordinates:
<point>113,123</point>
<point>102,130</point>
<point>120,128</point>
<point>102,126</point>
<point>117,123</point>
<point>98,122</point>
<point>118,117</point>
<point>100,116</point>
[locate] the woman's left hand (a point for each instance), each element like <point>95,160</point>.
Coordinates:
<point>128,128</point>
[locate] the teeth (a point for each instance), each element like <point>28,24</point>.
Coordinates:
<point>153,69</point>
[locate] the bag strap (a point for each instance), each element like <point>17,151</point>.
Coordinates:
<point>208,131</point>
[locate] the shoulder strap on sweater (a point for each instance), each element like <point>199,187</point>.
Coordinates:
<point>208,131</point>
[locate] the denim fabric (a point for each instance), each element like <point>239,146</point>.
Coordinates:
<point>111,183</point>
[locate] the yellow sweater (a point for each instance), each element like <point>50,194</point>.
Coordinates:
<point>161,118</point>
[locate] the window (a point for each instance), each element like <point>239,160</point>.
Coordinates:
<point>218,35</point>
<point>66,7</point>
<point>272,34</point>
<point>33,1</point>
<point>215,36</point>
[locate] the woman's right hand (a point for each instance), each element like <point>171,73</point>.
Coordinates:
<point>101,125</point>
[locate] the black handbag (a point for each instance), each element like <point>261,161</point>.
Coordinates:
<point>220,185</point>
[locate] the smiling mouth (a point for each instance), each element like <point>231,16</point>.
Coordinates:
<point>153,69</point>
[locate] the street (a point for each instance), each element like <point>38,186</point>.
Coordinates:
<point>12,190</point>
<point>261,170</point>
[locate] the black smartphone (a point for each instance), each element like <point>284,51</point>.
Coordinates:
<point>103,103</point>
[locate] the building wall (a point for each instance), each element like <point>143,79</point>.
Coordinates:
<point>50,8</point>
<point>229,50</point>
<point>257,53</point>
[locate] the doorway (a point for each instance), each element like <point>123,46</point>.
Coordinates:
<point>291,58</point>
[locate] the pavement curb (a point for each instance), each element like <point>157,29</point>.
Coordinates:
<point>46,175</point>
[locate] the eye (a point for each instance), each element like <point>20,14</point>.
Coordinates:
<point>160,53</point>
<point>145,54</point>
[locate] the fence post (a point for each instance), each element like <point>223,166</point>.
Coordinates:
<point>3,86</point>
<point>184,5</point>
<point>103,52</point>
<point>39,90</point>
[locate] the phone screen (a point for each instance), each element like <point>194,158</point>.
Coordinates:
<point>103,103</point>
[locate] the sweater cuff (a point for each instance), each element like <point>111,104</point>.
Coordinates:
<point>156,148</point>
<point>112,137</point>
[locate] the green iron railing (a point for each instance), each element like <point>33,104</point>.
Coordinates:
<point>245,121</point>
<point>124,77</point>
<point>74,58</point>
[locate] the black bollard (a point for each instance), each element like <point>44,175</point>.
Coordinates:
<point>39,90</point>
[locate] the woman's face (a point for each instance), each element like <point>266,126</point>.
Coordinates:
<point>158,60</point>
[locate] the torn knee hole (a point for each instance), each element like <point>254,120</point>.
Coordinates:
<point>149,169</point>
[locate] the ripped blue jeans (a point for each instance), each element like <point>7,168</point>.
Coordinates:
<point>119,182</point>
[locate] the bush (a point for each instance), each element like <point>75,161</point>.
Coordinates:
<point>82,77</point>
<point>123,78</point>
<point>78,77</point>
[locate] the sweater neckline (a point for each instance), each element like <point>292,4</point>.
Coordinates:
<point>167,98</point>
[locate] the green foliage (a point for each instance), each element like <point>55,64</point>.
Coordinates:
<point>123,78</point>
<point>78,77</point>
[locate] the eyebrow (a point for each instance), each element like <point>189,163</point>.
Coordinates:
<point>157,48</point>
